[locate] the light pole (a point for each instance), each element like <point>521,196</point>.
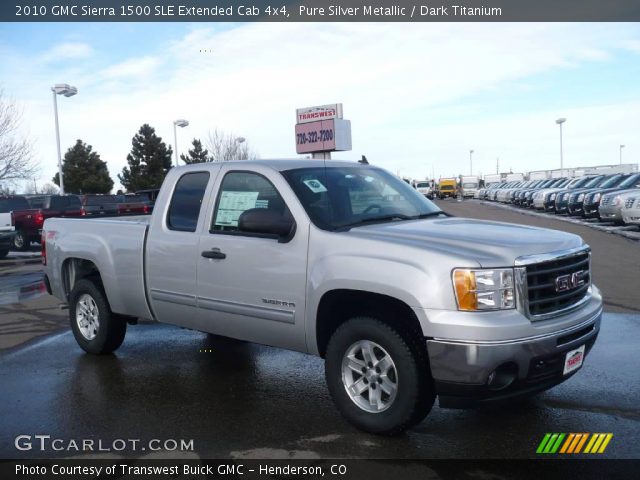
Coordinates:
<point>621,147</point>
<point>178,123</point>
<point>560,121</point>
<point>470,162</point>
<point>67,91</point>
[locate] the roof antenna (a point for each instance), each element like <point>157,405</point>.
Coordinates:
<point>363,160</point>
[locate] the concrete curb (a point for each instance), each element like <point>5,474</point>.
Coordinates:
<point>628,231</point>
<point>12,262</point>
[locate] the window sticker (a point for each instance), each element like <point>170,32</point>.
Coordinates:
<point>231,206</point>
<point>262,204</point>
<point>315,186</point>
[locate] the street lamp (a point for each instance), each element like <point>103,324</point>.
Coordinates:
<point>178,123</point>
<point>67,91</point>
<point>560,121</point>
<point>621,147</point>
<point>237,141</point>
<point>470,162</point>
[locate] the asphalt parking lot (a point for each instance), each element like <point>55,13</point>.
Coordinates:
<point>240,401</point>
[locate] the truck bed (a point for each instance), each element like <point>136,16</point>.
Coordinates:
<point>114,245</point>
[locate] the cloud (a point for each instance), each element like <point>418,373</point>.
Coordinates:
<point>135,67</point>
<point>67,51</point>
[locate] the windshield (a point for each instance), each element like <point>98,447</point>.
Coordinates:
<point>339,197</point>
<point>469,185</point>
<point>631,181</point>
<point>612,182</point>
<point>422,185</point>
<point>594,182</point>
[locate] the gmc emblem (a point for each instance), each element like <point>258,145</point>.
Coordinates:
<point>570,281</point>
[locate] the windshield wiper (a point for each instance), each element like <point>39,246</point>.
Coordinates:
<point>430,214</point>
<point>382,218</point>
<point>388,218</point>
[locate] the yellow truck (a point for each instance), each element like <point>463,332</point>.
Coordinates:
<point>447,187</point>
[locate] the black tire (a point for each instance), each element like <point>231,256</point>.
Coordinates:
<point>3,253</point>
<point>415,393</point>
<point>21,241</point>
<point>111,329</point>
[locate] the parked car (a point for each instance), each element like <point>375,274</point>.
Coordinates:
<point>576,199</point>
<point>526,199</point>
<point>7,231</point>
<point>29,215</point>
<point>101,205</point>
<point>151,194</point>
<point>631,210</point>
<point>611,204</point>
<point>344,261</point>
<point>592,200</point>
<point>545,199</point>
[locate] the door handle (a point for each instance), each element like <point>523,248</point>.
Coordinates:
<point>214,253</point>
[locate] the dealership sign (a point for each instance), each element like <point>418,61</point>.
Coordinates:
<point>322,129</point>
<point>321,112</point>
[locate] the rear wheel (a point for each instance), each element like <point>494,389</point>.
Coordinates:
<point>378,376</point>
<point>21,241</point>
<point>96,329</point>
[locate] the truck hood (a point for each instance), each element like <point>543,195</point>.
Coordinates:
<point>490,244</point>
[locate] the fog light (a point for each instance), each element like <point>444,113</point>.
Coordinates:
<point>503,376</point>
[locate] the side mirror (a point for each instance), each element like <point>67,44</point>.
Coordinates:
<point>265,221</point>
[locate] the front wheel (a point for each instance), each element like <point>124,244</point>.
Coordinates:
<point>96,329</point>
<point>378,376</point>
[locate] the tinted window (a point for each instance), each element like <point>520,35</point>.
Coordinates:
<point>73,202</point>
<point>184,209</point>
<point>58,202</point>
<point>241,191</point>
<point>36,202</point>
<point>135,199</point>
<point>13,204</point>
<point>95,200</point>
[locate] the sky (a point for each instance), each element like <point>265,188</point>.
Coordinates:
<point>420,96</point>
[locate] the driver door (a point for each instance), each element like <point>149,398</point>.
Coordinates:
<point>252,286</point>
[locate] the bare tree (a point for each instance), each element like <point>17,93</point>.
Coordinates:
<point>16,158</point>
<point>224,147</point>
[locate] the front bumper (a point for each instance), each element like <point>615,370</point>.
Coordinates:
<point>591,210</point>
<point>610,213</point>
<point>461,369</point>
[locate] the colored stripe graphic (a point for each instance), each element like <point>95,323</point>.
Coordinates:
<point>573,443</point>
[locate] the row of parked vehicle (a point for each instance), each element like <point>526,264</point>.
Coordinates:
<point>23,215</point>
<point>609,198</point>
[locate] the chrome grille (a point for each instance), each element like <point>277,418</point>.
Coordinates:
<point>629,202</point>
<point>549,283</point>
<point>605,201</point>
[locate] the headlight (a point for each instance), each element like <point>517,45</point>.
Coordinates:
<point>581,197</point>
<point>596,197</point>
<point>490,289</point>
<point>617,201</point>
<point>565,196</point>
<point>552,196</point>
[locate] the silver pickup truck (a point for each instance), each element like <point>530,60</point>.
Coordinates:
<point>344,261</point>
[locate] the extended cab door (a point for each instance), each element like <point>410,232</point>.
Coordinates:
<point>172,249</point>
<point>255,288</point>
